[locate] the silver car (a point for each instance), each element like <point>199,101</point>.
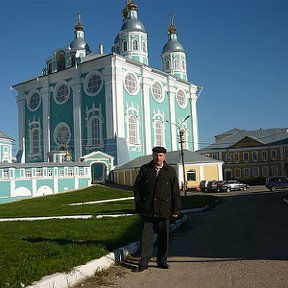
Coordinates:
<point>235,185</point>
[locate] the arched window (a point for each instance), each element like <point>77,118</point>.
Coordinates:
<point>176,63</point>
<point>35,142</point>
<point>132,130</point>
<point>95,131</point>
<point>158,133</point>
<point>125,46</point>
<point>167,64</point>
<point>144,46</point>
<point>60,62</point>
<point>135,45</point>
<point>183,65</point>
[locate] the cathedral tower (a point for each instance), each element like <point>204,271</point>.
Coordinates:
<point>131,41</point>
<point>173,54</point>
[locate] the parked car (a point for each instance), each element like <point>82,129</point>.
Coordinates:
<point>214,186</point>
<point>203,185</point>
<point>276,183</point>
<point>234,185</point>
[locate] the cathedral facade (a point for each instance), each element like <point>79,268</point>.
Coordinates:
<point>113,103</point>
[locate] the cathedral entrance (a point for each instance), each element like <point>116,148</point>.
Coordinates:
<point>97,173</point>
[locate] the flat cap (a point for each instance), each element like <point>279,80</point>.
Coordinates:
<point>159,149</point>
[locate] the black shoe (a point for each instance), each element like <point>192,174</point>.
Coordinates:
<point>163,265</point>
<point>140,268</point>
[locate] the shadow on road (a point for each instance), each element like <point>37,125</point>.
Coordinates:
<point>243,226</point>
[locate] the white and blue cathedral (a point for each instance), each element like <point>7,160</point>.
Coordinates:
<point>107,108</point>
<point>114,103</point>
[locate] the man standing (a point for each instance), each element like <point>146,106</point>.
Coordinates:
<point>157,198</point>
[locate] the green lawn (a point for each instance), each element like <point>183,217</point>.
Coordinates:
<point>33,249</point>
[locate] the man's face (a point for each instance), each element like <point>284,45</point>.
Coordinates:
<point>159,158</point>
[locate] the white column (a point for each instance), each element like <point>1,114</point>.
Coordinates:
<point>76,85</point>
<point>117,97</point>
<point>110,90</point>
<point>21,102</point>
<point>45,95</point>
<point>173,128</point>
<point>55,180</point>
<point>147,136</point>
<point>201,171</point>
<point>195,144</point>
<point>220,172</point>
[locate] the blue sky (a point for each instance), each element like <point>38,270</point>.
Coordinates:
<point>236,49</point>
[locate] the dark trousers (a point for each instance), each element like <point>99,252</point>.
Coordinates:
<point>161,228</point>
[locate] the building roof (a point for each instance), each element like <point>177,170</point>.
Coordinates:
<point>5,165</point>
<point>2,135</point>
<point>173,45</point>
<point>172,158</point>
<point>273,136</point>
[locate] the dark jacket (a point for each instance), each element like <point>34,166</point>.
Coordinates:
<point>157,197</point>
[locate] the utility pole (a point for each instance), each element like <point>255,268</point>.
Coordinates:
<point>181,141</point>
<point>181,136</point>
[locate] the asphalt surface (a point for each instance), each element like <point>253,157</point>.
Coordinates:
<point>240,242</point>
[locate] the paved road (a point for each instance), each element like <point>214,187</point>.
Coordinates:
<point>241,242</point>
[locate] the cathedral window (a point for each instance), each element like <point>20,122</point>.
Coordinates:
<point>181,99</point>
<point>135,45</point>
<point>62,134</point>
<point>60,62</point>
<point>35,141</point>
<point>33,101</point>
<point>176,64</point>
<point>183,65</point>
<point>132,125</point>
<point>167,64</point>
<point>61,94</point>
<point>159,139</point>
<point>131,84</point>
<point>93,83</point>
<point>157,91</point>
<point>144,46</point>
<point>95,136</point>
<point>125,46</point>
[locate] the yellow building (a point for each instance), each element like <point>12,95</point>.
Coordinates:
<point>197,167</point>
<point>251,156</point>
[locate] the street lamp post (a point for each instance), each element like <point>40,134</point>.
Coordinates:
<point>181,141</point>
